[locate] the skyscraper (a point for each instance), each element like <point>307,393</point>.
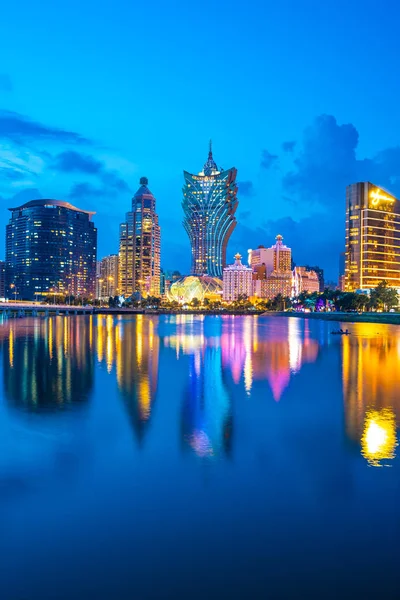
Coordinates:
<point>107,277</point>
<point>51,246</point>
<point>372,237</point>
<point>209,206</point>
<point>139,247</point>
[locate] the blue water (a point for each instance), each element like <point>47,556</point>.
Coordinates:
<point>198,457</point>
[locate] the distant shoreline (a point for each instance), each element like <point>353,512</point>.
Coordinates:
<point>387,318</point>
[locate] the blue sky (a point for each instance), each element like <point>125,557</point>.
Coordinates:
<point>301,97</point>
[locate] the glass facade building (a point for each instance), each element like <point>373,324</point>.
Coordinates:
<point>372,251</point>
<point>209,206</point>
<point>51,247</point>
<point>139,248</point>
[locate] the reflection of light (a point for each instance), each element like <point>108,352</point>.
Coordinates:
<point>248,363</point>
<point>11,349</point>
<point>51,338</point>
<point>295,344</point>
<point>201,444</point>
<point>110,340</point>
<point>378,441</point>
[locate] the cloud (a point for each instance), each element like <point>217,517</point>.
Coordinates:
<point>268,160</point>
<point>13,175</point>
<point>5,83</point>
<point>245,214</point>
<point>326,162</point>
<point>288,146</point>
<point>246,188</point>
<point>71,161</point>
<point>20,130</point>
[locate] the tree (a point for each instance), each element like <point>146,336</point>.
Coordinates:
<point>195,303</point>
<point>384,297</point>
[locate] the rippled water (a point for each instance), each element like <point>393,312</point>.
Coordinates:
<point>185,457</point>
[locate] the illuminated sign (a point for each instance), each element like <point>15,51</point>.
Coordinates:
<point>378,196</point>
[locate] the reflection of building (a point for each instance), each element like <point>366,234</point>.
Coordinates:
<point>304,281</point>
<point>139,252</point>
<point>136,360</point>
<point>273,276</point>
<point>372,237</point>
<point>49,365</point>
<point>371,380</point>
<point>237,280</point>
<point>209,205</point>
<point>274,358</point>
<point>207,408</point>
<point>184,290</point>
<point>50,246</point>
<point>107,277</point>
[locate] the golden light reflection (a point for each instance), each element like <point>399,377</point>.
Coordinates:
<point>11,348</point>
<point>378,441</point>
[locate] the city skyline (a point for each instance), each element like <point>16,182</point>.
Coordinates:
<point>87,140</point>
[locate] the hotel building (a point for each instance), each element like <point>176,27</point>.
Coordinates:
<point>50,247</point>
<point>209,205</point>
<point>304,280</point>
<point>139,246</point>
<point>272,269</point>
<point>372,251</point>
<point>237,280</point>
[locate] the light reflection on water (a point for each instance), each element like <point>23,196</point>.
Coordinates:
<point>250,426</point>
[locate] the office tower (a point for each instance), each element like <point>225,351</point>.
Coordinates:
<point>273,275</point>
<point>125,257</point>
<point>50,247</point>
<point>139,247</point>
<point>372,237</point>
<point>237,280</point>
<point>304,280</point>
<point>2,278</point>
<point>209,206</point>
<point>107,279</point>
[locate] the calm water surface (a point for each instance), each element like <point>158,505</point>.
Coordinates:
<point>188,457</point>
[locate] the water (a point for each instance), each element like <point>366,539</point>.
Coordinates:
<point>188,457</point>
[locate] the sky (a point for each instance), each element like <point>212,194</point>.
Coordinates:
<point>302,97</point>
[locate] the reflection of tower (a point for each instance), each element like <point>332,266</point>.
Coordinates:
<point>49,364</point>
<point>207,408</point>
<point>137,353</point>
<point>371,380</point>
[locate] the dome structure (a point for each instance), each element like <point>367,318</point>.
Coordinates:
<point>185,289</point>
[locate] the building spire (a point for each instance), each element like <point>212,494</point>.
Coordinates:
<point>210,165</point>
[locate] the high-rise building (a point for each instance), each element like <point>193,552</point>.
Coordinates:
<point>209,206</point>
<point>2,278</point>
<point>272,269</point>
<point>51,246</point>
<point>372,237</point>
<point>107,279</point>
<point>237,280</point>
<point>139,246</point>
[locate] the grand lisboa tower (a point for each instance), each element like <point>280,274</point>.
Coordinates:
<point>209,205</point>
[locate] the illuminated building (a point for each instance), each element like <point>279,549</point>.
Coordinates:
<point>276,278</point>
<point>304,281</point>
<point>50,247</point>
<point>209,205</point>
<point>185,289</point>
<point>372,237</point>
<point>2,278</point>
<point>237,280</point>
<point>139,248</point>
<point>125,257</point>
<point>107,278</point>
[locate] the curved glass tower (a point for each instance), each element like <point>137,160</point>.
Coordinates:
<point>209,205</point>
